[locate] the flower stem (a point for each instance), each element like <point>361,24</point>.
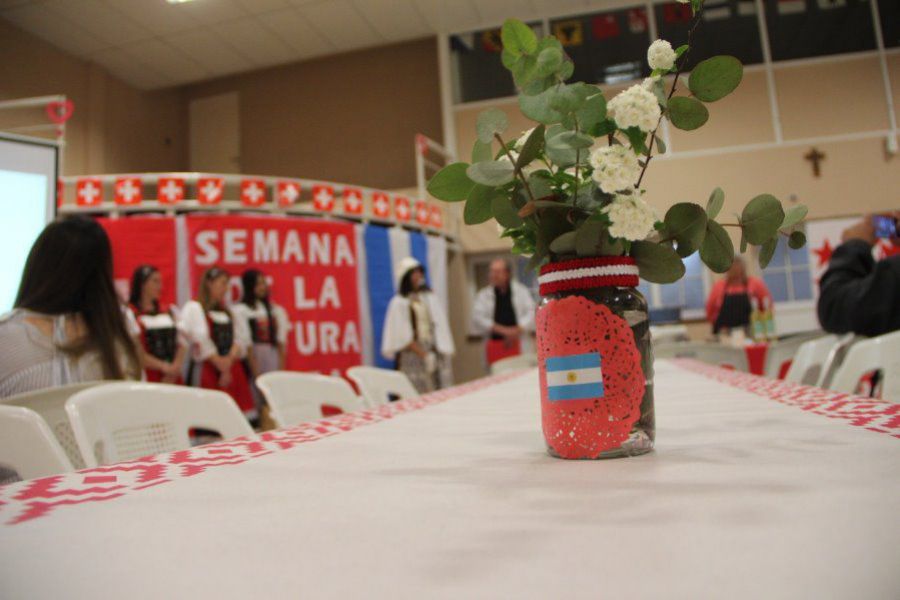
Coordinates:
<point>516,168</point>
<point>681,65</point>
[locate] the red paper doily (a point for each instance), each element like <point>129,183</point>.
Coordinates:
<point>586,427</point>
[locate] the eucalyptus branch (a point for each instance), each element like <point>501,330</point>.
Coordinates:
<point>681,65</point>
<point>516,168</point>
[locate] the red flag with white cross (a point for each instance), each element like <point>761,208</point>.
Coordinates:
<point>60,192</point>
<point>402,209</point>
<point>288,193</point>
<point>381,206</point>
<point>437,216</point>
<point>88,191</point>
<point>253,192</point>
<point>209,190</point>
<point>422,213</point>
<point>170,190</point>
<point>353,201</point>
<point>128,191</point>
<point>323,197</point>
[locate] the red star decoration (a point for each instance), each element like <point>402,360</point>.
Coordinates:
<point>824,253</point>
<point>888,249</point>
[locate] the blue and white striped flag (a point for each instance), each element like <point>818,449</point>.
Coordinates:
<point>574,377</point>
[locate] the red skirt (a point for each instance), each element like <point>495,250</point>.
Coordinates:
<point>154,376</point>
<point>239,388</point>
<point>498,349</point>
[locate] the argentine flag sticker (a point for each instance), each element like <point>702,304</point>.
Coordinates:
<point>574,377</point>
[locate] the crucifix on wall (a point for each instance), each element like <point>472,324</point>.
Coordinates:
<point>815,157</point>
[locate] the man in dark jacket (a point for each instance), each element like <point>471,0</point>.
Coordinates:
<point>856,293</point>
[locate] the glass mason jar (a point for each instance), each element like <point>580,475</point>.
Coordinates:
<point>595,360</point>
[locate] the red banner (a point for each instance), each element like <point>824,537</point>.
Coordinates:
<point>311,266</point>
<point>143,241</point>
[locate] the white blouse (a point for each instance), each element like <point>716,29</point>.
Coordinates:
<point>192,321</point>
<point>245,313</point>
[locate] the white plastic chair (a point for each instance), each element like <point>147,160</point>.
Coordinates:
<point>380,386</point>
<point>50,404</point>
<point>514,363</point>
<point>882,353</point>
<point>809,360</point>
<point>720,355</point>
<point>123,421</point>
<point>298,397</point>
<point>781,351</point>
<point>27,446</point>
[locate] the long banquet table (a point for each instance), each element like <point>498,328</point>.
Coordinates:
<point>756,489</point>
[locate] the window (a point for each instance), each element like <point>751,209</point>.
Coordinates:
<point>806,28</point>
<point>788,275</point>
<point>687,295</point>
<point>728,27</point>
<point>889,15</point>
<point>478,72</point>
<point>606,47</point>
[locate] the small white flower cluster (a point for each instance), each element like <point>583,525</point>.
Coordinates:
<point>615,168</point>
<point>635,107</point>
<point>631,217</point>
<point>660,55</point>
<point>649,82</point>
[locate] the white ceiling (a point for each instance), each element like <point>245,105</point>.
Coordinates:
<point>154,44</point>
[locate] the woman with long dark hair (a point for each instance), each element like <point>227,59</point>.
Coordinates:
<point>68,324</point>
<point>416,332</point>
<point>217,346</point>
<point>163,349</point>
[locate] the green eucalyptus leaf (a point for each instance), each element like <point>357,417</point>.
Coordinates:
<point>490,122</point>
<point>687,113</point>
<point>761,218</point>
<point>714,78</point>
<point>506,213</point>
<point>517,37</point>
<point>637,139</point>
<point>794,215</point>
<point>660,144</point>
<point>482,151</point>
<point>743,243</point>
<point>588,238</point>
<point>567,69</point>
<point>592,113</point>
<point>767,251</point>
<point>549,61</point>
<point>797,240</point>
<point>681,50</point>
<point>715,203</point>
<point>508,59</point>
<point>478,205</point>
<point>570,140</point>
<point>717,250</point>
<point>537,108</point>
<point>564,244</point>
<point>657,263</point>
<point>532,147</point>
<point>491,173</point>
<point>686,223</point>
<point>451,183</point>
<point>540,185</point>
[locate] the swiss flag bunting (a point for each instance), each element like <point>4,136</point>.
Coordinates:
<point>437,216</point>
<point>60,192</point>
<point>677,13</point>
<point>128,191</point>
<point>423,216</point>
<point>353,201</point>
<point>253,192</point>
<point>170,190</point>
<point>605,26</point>
<point>637,20</point>
<point>209,190</point>
<point>402,209</point>
<point>381,205</point>
<point>88,191</point>
<point>288,193</point>
<point>323,197</point>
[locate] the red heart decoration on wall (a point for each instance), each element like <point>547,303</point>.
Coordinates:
<point>60,111</point>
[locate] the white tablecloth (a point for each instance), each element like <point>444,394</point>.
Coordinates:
<point>744,497</point>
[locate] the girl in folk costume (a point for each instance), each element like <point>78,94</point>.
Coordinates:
<point>217,346</point>
<point>265,323</point>
<point>416,332</point>
<point>163,348</point>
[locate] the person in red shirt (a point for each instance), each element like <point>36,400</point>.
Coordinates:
<point>730,301</point>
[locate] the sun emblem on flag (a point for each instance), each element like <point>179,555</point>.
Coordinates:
<point>574,376</point>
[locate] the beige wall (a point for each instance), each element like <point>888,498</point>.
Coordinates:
<point>115,128</point>
<point>840,98</point>
<point>350,117</point>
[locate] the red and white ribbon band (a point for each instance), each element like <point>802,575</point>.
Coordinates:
<point>586,273</point>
